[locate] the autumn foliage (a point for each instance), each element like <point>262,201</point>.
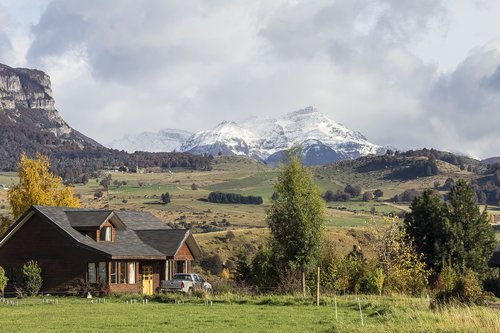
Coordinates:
<point>38,186</point>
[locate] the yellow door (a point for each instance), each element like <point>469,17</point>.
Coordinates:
<point>147,280</point>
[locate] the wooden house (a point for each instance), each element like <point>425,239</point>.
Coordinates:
<point>127,251</point>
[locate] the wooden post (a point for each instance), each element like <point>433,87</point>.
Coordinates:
<point>336,313</point>
<point>317,289</point>
<point>361,313</point>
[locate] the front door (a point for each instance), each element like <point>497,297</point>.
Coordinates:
<point>147,280</point>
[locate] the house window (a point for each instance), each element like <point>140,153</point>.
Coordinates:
<point>114,272</point>
<point>123,273</point>
<point>105,234</point>
<point>92,273</point>
<point>102,273</point>
<point>131,272</point>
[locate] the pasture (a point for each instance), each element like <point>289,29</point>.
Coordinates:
<point>233,313</point>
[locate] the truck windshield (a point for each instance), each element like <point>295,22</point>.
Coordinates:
<point>182,277</point>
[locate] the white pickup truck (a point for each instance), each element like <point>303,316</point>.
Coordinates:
<point>185,282</point>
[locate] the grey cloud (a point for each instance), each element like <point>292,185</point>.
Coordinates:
<point>467,100</point>
<point>190,64</point>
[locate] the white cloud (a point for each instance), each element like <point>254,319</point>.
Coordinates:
<point>128,66</point>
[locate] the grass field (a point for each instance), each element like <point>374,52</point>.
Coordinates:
<point>231,313</point>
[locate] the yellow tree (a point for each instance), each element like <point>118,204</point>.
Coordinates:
<point>37,186</point>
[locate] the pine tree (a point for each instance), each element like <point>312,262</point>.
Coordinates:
<point>457,233</point>
<point>37,186</point>
<point>296,217</point>
<point>474,236</point>
<point>427,225</point>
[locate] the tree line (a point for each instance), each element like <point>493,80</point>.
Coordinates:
<point>221,197</point>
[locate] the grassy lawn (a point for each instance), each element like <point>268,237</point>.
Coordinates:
<point>246,314</point>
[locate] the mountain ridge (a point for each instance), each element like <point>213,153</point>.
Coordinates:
<point>323,140</point>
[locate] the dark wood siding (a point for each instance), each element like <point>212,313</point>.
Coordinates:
<point>61,260</point>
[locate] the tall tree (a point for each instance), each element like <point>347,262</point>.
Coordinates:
<point>457,232</point>
<point>296,217</point>
<point>37,186</point>
<point>428,225</point>
<point>475,237</point>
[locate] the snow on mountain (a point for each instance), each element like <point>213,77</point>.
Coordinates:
<point>165,140</point>
<point>323,140</point>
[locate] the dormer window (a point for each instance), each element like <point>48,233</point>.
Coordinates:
<point>105,235</point>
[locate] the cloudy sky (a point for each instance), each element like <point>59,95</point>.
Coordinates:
<point>403,72</point>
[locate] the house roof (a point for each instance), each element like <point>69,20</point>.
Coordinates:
<point>143,236</point>
<point>87,218</point>
<point>178,236</point>
<point>495,258</point>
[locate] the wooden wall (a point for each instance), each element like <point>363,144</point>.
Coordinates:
<point>62,261</point>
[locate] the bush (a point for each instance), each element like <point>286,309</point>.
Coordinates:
<point>194,186</point>
<point>464,288</point>
<point>367,196</point>
<point>229,236</point>
<point>165,198</point>
<point>3,280</point>
<point>349,274</point>
<point>214,264</point>
<point>32,277</point>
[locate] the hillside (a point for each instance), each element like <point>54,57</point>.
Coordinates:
<point>30,123</point>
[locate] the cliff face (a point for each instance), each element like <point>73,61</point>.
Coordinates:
<point>26,102</point>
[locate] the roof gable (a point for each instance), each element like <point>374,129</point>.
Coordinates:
<point>87,219</point>
<point>170,241</point>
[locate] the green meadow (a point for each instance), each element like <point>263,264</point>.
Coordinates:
<point>232,313</point>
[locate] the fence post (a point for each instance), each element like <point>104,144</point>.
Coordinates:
<point>317,289</point>
<point>360,313</point>
<point>336,313</point>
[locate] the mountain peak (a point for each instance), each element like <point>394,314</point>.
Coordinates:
<point>266,138</point>
<point>305,111</point>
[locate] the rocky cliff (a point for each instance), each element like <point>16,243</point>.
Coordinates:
<point>26,102</point>
<point>30,123</point>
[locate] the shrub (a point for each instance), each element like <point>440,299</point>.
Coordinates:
<point>378,193</point>
<point>3,280</point>
<point>349,274</point>
<point>165,198</point>
<point>214,264</point>
<point>229,236</point>
<point>367,196</point>
<point>194,186</point>
<point>404,269</point>
<point>464,288</point>
<point>32,277</point>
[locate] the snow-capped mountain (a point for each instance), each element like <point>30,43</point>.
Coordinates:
<point>322,139</point>
<point>165,140</point>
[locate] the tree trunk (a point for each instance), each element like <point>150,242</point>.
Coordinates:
<point>304,284</point>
